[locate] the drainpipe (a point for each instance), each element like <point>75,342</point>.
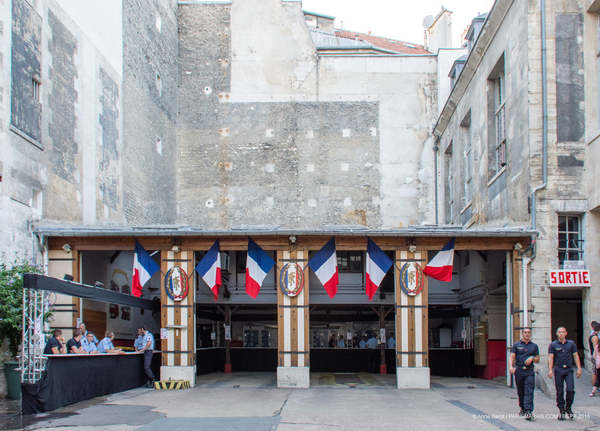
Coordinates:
<point>527,260</point>
<point>509,320</point>
<point>435,172</point>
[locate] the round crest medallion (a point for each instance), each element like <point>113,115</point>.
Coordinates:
<point>176,283</point>
<point>411,278</point>
<point>291,279</point>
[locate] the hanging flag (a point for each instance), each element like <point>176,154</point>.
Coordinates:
<point>258,265</point>
<point>144,268</point>
<point>378,264</point>
<point>324,264</point>
<point>209,269</point>
<point>441,265</point>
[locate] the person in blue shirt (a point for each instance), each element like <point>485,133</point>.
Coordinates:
<point>561,355</point>
<point>372,350</point>
<point>523,354</point>
<point>84,332</point>
<point>391,341</point>
<point>138,344</point>
<point>147,350</point>
<point>87,343</point>
<point>106,345</point>
<point>340,342</point>
<point>362,344</point>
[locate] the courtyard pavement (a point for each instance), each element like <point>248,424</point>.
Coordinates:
<point>350,402</point>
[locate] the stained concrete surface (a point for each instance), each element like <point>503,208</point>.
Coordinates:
<point>251,401</point>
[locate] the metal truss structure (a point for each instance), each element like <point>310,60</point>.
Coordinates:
<point>32,363</point>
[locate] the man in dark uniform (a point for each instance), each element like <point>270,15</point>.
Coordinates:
<point>523,354</point>
<point>561,355</point>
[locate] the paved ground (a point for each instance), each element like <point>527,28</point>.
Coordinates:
<point>252,402</point>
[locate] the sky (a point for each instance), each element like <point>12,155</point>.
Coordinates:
<point>397,19</point>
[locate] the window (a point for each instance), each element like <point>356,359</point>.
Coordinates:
<point>569,238</point>
<point>465,126</point>
<point>35,88</point>
<point>500,121</point>
<point>497,143</point>
<point>449,183</point>
<point>159,145</point>
<point>350,261</point>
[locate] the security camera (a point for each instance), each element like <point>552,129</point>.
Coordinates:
<point>518,246</point>
<point>412,248</point>
<point>293,239</point>
<point>67,248</point>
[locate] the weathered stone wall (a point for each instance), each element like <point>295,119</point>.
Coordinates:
<point>150,111</point>
<point>270,136</point>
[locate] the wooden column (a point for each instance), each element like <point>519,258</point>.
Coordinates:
<point>178,317</point>
<point>411,328</point>
<point>293,326</point>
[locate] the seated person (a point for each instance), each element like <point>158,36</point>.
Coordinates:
<point>106,345</point>
<point>74,344</point>
<point>56,344</point>
<point>84,333</point>
<point>87,343</point>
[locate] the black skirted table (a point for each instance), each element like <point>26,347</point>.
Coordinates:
<point>72,378</point>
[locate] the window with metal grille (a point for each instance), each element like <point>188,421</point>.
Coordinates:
<point>500,120</point>
<point>570,243</point>
<point>350,261</point>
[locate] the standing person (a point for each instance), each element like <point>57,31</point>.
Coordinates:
<point>592,342</point>
<point>56,344</point>
<point>74,344</point>
<point>561,355</point>
<point>372,350</point>
<point>138,344</point>
<point>340,343</point>
<point>147,350</point>
<point>332,341</point>
<point>362,344</point>
<point>84,332</point>
<point>523,354</point>
<point>597,370</point>
<point>87,343</point>
<point>106,345</point>
<point>391,341</point>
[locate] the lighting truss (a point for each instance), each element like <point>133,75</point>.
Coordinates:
<point>32,363</point>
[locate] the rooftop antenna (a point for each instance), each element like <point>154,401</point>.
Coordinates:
<point>427,23</point>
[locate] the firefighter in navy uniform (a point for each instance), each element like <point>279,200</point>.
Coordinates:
<point>523,354</point>
<point>561,355</point>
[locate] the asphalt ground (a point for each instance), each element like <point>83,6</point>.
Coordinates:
<point>252,402</point>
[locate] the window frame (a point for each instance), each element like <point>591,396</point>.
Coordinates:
<point>571,245</point>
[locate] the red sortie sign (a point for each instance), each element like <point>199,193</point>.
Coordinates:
<point>569,277</point>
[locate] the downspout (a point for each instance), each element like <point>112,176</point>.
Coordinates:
<point>527,260</point>
<point>435,172</point>
<point>509,320</point>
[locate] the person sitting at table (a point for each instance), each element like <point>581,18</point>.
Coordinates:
<point>106,346</point>
<point>74,344</point>
<point>87,343</point>
<point>56,344</point>
<point>84,333</point>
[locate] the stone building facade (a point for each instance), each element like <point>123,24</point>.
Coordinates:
<point>196,121</point>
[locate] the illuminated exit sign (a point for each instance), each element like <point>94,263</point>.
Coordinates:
<point>569,278</point>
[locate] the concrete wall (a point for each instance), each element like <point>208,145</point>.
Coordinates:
<point>274,138</point>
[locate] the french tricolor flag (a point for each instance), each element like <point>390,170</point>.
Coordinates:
<point>441,265</point>
<point>144,268</point>
<point>378,264</point>
<point>258,265</point>
<point>209,269</point>
<point>324,264</point>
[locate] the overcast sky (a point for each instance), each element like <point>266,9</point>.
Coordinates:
<point>397,19</point>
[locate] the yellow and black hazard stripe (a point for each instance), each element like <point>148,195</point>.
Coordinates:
<point>172,384</point>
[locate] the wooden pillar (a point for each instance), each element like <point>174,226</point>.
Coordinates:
<point>293,324</point>
<point>178,317</point>
<point>382,364</point>
<point>411,326</point>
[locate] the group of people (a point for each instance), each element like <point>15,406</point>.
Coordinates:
<point>562,355</point>
<point>84,342</point>
<point>338,341</point>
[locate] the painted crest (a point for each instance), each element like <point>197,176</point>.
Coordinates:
<point>411,278</point>
<point>291,279</point>
<point>176,283</point>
